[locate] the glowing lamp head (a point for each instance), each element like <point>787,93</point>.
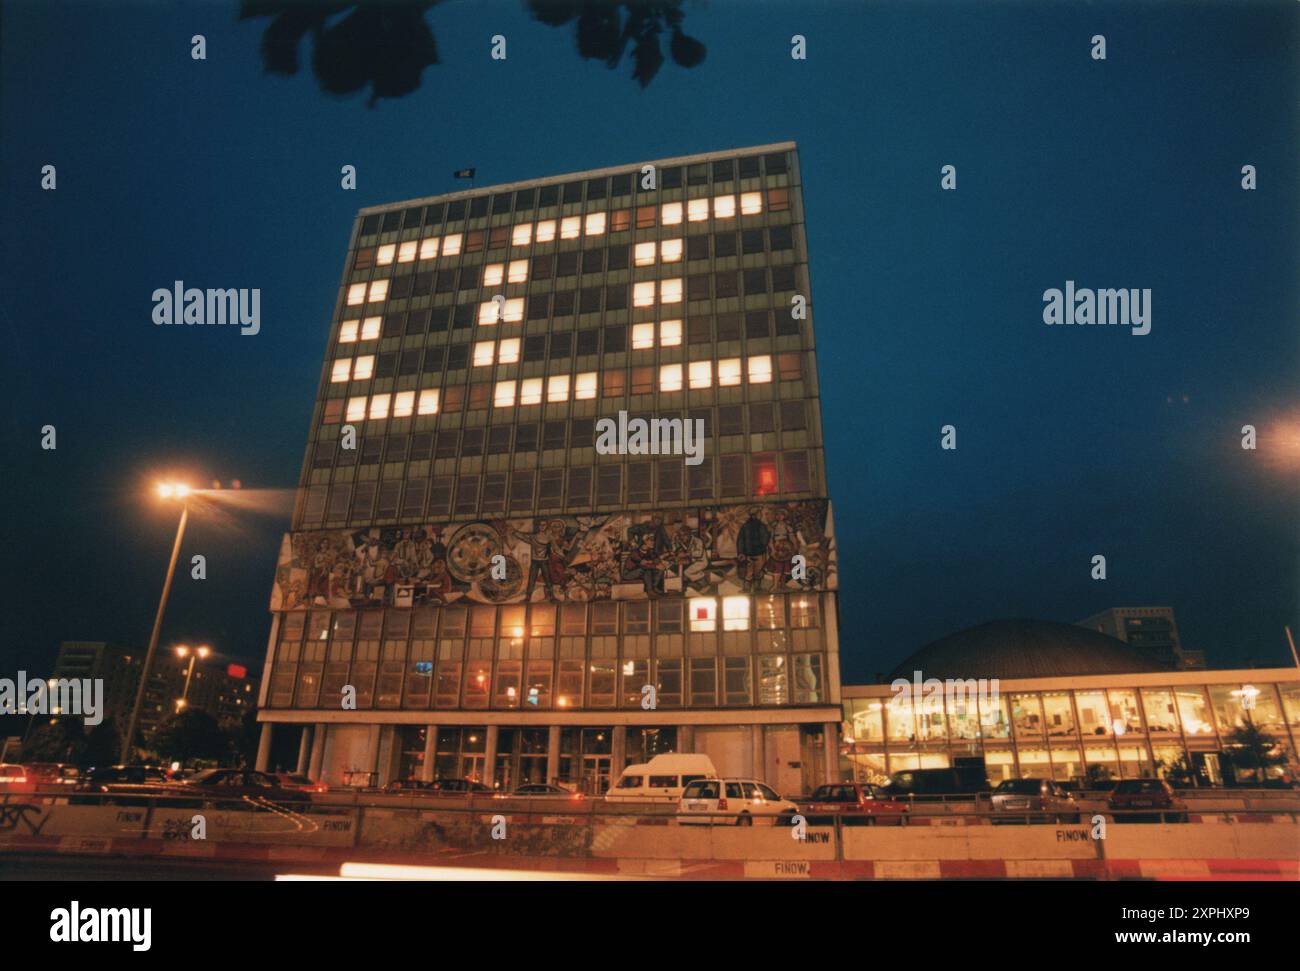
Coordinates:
<point>182,650</point>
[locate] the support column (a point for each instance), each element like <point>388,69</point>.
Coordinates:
<point>430,752</point>
<point>317,752</point>
<point>372,752</point>
<point>685,738</point>
<point>553,755</point>
<point>304,750</point>
<point>831,751</point>
<point>755,751</point>
<point>264,748</point>
<point>618,752</point>
<point>764,763</point>
<point>490,757</point>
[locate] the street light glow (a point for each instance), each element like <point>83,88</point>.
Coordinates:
<point>173,490</point>
<point>182,650</point>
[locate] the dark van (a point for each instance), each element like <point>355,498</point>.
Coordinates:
<point>924,784</point>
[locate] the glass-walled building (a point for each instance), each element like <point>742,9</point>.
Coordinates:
<point>471,587</point>
<point>1104,721</point>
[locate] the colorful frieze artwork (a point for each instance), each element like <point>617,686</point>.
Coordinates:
<point>707,551</point>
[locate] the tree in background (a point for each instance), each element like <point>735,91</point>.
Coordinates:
<point>103,744</point>
<point>189,735</point>
<point>386,45</point>
<point>58,740</point>
<point>1254,750</point>
<point>247,735</point>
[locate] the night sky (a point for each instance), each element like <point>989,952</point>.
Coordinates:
<point>927,304</point>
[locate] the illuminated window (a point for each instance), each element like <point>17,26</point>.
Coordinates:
<point>514,311</point>
<point>505,394</point>
<point>428,401</point>
<point>670,291</point>
<point>407,253</point>
<point>356,409</point>
<point>729,372</point>
<point>670,250</point>
<point>370,328</point>
<point>509,352</point>
<point>356,294</point>
<point>342,370</point>
<point>670,333</point>
<point>518,271</point>
<point>348,331</point>
<point>670,377</point>
<point>643,336</point>
<point>584,386</point>
<point>701,374</point>
<point>570,227</point>
<point>751,203</point>
<point>530,391</point>
<point>724,207</point>
<point>645,254</point>
<point>643,294</point>
<point>378,290</point>
<point>483,352</point>
<point>364,368</point>
<point>704,613</point>
<point>522,235</point>
<point>546,231</point>
<point>403,404</point>
<point>735,613</point>
<point>493,274</point>
<point>488,312</point>
<point>760,369</point>
<point>764,467</point>
<point>451,244</point>
<point>557,388</point>
<point>379,406</point>
<point>697,210</point>
<point>672,213</point>
<point>386,254</point>
<point>595,223</point>
<point>429,248</point>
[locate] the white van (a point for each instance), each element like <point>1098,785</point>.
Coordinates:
<point>662,779</point>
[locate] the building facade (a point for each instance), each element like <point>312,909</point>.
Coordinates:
<point>472,588</point>
<point>1153,630</point>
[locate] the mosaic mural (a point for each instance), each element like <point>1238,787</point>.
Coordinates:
<point>714,550</point>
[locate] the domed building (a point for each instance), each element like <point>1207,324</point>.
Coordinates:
<point>1026,649</point>
<point>1023,698</point>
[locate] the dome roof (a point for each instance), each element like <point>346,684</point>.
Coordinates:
<point>1007,649</point>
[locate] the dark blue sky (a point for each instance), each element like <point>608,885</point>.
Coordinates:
<point>927,305</point>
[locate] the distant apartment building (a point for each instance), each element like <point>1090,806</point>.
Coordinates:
<point>224,691</point>
<point>1152,630</point>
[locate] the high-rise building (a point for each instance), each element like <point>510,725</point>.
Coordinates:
<point>1153,630</point>
<point>486,579</point>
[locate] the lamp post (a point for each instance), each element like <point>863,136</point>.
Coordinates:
<point>166,490</point>
<point>181,652</point>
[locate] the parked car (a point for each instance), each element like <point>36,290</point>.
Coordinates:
<point>291,780</point>
<point>451,787</point>
<point>541,790</point>
<point>240,784</point>
<point>136,780</point>
<point>51,775</point>
<point>1033,801</point>
<point>857,803</point>
<point>13,778</point>
<point>932,784</point>
<point>662,779</point>
<point>409,785</point>
<point>1146,794</point>
<point>733,802</point>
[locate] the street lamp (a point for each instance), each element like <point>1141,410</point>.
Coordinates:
<point>182,651</point>
<point>166,490</point>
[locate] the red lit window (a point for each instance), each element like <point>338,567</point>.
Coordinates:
<point>764,466</point>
